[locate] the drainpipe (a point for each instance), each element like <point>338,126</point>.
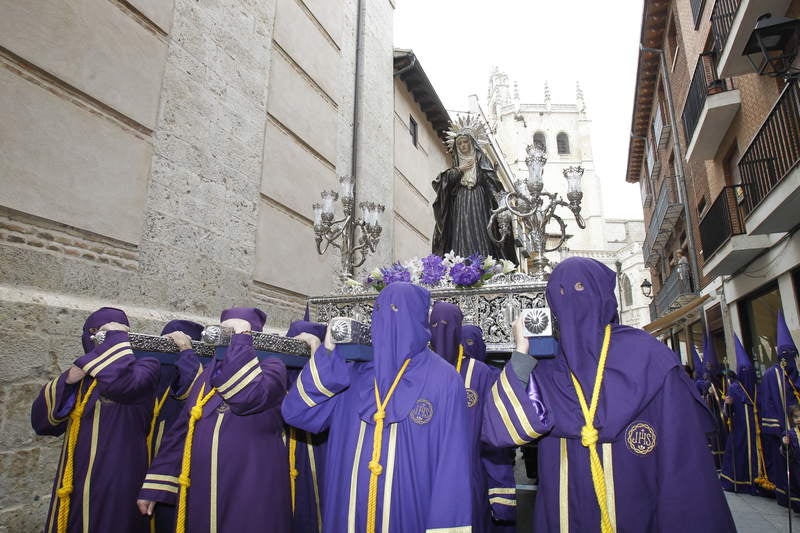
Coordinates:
<point>357,111</point>
<point>679,174</point>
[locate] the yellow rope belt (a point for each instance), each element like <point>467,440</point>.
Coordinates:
<point>65,490</point>
<point>589,435</point>
<point>293,473</point>
<point>761,479</point>
<point>375,464</point>
<point>460,358</point>
<point>159,403</point>
<point>183,480</point>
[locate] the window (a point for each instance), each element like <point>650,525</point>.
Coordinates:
<point>539,138</point>
<point>701,205</point>
<point>562,143</point>
<point>759,315</point>
<point>412,129</point>
<point>672,40</point>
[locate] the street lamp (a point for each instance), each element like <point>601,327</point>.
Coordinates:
<point>776,41</point>
<point>647,288</point>
<point>525,210</point>
<point>341,233</point>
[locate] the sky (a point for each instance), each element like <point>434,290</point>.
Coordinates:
<point>459,42</point>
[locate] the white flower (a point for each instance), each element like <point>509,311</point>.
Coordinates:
<point>450,259</point>
<point>376,274</point>
<point>488,263</point>
<point>414,267</point>
<point>350,282</point>
<point>508,266</point>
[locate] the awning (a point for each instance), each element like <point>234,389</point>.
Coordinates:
<point>668,320</point>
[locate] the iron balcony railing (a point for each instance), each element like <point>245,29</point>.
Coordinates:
<point>660,129</point>
<point>722,21</point>
<point>723,220</point>
<point>676,291</point>
<point>704,83</point>
<point>665,214</point>
<point>774,151</point>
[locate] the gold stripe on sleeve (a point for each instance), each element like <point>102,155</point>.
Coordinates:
<point>99,359</point>
<point>160,486</point>
<point>248,367</point>
<point>185,395</point>
<point>96,370</point>
<point>503,501</point>
<point>501,409</point>
<point>242,384</point>
<point>518,410</point>
<point>503,490</point>
<point>318,382</point>
<point>302,390</point>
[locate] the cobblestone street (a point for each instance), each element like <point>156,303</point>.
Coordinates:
<point>754,514</point>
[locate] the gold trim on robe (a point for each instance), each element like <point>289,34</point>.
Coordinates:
<point>387,485</point>
<point>212,524</point>
<point>87,489</point>
<point>563,489</point>
<point>351,512</point>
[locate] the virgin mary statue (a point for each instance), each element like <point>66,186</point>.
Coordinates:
<point>465,196</point>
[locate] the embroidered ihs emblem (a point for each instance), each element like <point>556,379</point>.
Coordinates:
<point>472,398</point>
<point>422,413</point>
<point>640,438</point>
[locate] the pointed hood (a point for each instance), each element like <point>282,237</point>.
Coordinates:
<point>307,314</point>
<point>473,343</point>
<point>102,316</point>
<point>399,329</point>
<point>446,320</point>
<point>786,346</point>
<point>744,367</point>
<point>581,295</point>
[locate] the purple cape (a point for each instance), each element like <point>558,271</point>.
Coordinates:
<point>110,457</point>
<point>650,419</point>
<point>423,483</point>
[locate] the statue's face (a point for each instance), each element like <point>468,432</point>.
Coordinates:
<point>463,145</point>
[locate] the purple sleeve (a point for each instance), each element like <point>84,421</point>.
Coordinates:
<point>499,466</point>
<point>120,376</point>
<point>514,415</point>
<point>312,397</point>
<point>450,478</point>
<point>686,473</point>
<point>51,408</point>
<point>246,385</point>
<point>189,369</point>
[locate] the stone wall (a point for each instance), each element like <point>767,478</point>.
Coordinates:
<point>163,156</point>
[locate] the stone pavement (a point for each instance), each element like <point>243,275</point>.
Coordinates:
<point>754,514</point>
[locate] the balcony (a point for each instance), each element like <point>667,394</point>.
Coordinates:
<point>665,216</point>
<point>769,168</point>
<point>732,22</point>
<point>709,110</point>
<point>644,190</point>
<point>661,131</point>
<point>726,247</point>
<point>676,292</point>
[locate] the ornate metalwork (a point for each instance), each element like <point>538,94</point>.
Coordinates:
<point>523,212</point>
<point>341,233</point>
<point>266,342</point>
<point>491,306</point>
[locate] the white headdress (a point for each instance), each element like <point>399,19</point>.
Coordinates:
<point>471,126</point>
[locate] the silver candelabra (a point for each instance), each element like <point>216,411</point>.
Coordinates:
<point>523,213</point>
<point>341,233</point>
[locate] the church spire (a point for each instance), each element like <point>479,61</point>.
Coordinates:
<point>546,95</point>
<point>579,98</point>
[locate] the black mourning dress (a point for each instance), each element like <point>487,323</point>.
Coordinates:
<point>462,213</point>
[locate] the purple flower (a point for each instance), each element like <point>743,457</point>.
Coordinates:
<point>433,270</point>
<point>465,275</point>
<point>396,272</point>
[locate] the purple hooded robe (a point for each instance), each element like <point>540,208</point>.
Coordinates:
<point>239,467</point>
<point>446,324</point>
<point>741,462</point>
<point>174,384</point>
<point>423,485</point>
<point>309,456</point>
<point>110,456</point>
<point>778,391</point>
<point>651,423</point>
<point>497,462</point>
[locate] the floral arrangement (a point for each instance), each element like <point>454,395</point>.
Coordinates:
<point>434,270</point>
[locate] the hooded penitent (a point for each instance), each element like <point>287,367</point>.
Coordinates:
<point>399,329</point>
<point>473,343</point>
<point>445,322</point>
<point>710,360</point>
<point>102,316</point>
<point>697,362</point>
<point>786,347</point>
<point>306,326</point>
<point>649,421</point>
<point>254,316</point>
<point>745,372</point>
